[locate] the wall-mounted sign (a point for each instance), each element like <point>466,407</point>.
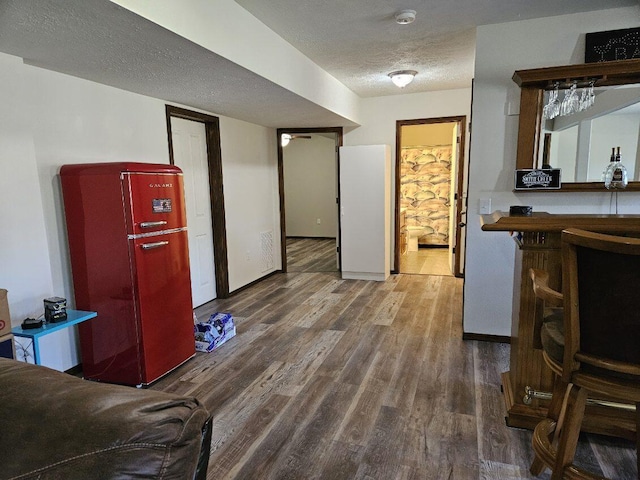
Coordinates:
<point>528,178</point>
<point>612,45</point>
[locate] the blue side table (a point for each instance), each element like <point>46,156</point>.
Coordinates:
<point>73,318</point>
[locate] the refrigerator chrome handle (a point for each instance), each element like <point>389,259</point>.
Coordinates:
<point>149,246</point>
<point>153,224</point>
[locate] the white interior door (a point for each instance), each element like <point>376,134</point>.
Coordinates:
<point>190,154</point>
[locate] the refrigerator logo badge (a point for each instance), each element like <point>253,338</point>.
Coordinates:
<point>161,185</point>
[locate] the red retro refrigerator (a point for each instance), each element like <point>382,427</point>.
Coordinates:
<point>126,226</point>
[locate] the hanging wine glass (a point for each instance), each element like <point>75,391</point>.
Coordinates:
<point>584,100</point>
<point>570,102</point>
<point>545,109</point>
<point>587,97</point>
<point>552,107</point>
<point>555,108</point>
<point>591,95</point>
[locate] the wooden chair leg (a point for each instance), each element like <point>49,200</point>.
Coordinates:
<point>564,389</point>
<point>557,404</point>
<point>555,412</point>
<point>537,466</point>
<point>577,399</point>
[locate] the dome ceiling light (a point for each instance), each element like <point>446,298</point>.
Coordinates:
<point>402,78</point>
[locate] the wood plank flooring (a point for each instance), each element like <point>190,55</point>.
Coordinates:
<point>426,261</point>
<point>311,255</point>
<point>345,379</point>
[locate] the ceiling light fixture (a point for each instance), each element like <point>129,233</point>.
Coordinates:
<point>405,17</point>
<point>402,78</point>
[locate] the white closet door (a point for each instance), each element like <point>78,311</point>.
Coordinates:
<point>190,154</point>
<point>365,211</point>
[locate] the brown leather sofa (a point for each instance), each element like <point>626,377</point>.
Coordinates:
<point>57,426</point>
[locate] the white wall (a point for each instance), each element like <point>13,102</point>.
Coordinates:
<point>427,134</point>
<point>250,176</point>
<point>310,181</point>
<point>502,49</point>
<point>23,238</point>
<point>50,119</point>
<point>381,114</point>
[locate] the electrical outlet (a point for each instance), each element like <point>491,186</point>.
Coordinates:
<point>318,221</point>
<point>484,206</point>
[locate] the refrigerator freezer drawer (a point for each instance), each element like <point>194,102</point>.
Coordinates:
<point>163,289</point>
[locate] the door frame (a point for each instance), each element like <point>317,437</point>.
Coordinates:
<point>461,120</point>
<point>283,227</point>
<point>216,191</point>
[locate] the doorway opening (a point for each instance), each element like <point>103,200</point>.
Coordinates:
<point>215,190</point>
<point>430,172</point>
<point>308,171</point>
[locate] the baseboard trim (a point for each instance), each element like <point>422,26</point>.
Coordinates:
<point>310,238</point>
<point>377,277</point>
<point>486,338</point>
<point>256,281</point>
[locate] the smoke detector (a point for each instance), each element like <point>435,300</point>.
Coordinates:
<point>405,17</point>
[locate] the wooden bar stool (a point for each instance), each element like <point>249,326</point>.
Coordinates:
<point>550,338</point>
<point>596,350</point>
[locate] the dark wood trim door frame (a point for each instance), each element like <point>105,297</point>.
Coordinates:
<point>460,169</point>
<point>216,193</point>
<point>298,131</point>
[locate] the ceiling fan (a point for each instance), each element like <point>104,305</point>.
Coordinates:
<point>287,137</point>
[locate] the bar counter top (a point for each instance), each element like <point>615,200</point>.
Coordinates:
<point>551,222</point>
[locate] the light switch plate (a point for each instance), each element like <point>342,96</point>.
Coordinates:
<point>484,206</point>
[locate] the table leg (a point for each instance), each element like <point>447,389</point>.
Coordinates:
<point>36,351</point>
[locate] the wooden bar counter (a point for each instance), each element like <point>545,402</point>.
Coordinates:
<point>538,240</point>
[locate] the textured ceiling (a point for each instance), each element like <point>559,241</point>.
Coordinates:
<point>357,41</point>
<point>100,41</point>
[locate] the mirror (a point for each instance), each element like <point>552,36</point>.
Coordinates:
<point>580,144</point>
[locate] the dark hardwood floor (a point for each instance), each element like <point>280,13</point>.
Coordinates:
<point>311,255</point>
<point>345,379</point>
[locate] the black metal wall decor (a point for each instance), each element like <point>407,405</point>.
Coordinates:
<point>612,45</point>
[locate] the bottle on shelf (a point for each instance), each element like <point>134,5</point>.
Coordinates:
<point>612,159</point>
<point>616,174</point>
